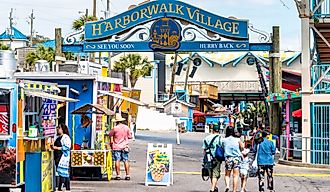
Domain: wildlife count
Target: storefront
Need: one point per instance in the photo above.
(28, 128)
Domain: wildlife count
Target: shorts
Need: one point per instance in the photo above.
(120, 155)
(232, 163)
(246, 133)
(216, 171)
(243, 173)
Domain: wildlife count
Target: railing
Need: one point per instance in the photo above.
(162, 97)
(321, 78)
(322, 8)
(314, 150)
(250, 86)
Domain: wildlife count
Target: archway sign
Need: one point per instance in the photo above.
(167, 25)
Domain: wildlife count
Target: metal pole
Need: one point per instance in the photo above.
(173, 74)
(187, 74)
(11, 26)
(31, 29)
(109, 53)
(58, 46)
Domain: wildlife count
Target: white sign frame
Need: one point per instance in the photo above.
(164, 148)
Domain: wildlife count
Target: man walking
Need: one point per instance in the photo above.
(265, 158)
(212, 142)
(121, 134)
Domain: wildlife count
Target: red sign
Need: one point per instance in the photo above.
(4, 121)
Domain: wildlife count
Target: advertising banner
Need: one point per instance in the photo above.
(159, 167)
(47, 172)
(49, 117)
(7, 166)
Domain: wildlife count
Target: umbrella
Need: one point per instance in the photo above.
(297, 113)
(198, 113)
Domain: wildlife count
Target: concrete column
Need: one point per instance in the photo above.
(306, 87)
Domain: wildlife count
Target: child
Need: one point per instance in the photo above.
(244, 168)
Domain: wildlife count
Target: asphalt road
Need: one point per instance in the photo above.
(187, 164)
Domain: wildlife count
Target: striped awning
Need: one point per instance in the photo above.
(112, 94)
(49, 96)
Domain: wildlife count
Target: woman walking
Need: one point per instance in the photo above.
(61, 149)
(233, 147)
(265, 150)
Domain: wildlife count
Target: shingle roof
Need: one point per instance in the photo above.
(16, 35)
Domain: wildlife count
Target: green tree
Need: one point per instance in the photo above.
(78, 23)
(135, 65)
(41, 53)
(4, 47)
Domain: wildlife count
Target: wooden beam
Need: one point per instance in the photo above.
(320, 35)
(275, 69)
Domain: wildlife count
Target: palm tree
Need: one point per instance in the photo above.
(78, 23)
(41, 53)
(136, 66)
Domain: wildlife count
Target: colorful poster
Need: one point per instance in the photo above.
(159, 168)
(47, 172)
(49, 117)
(87, 158)
(7, 165)
(4, 120)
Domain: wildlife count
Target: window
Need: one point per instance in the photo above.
(32, 111)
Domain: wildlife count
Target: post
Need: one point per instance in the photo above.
(188, 70)
(173, 74)
(58, 45)
(94, 8)
(31, 28)
(275, 85)
(11, 26)
(287, 130)
(109, 53)
(305, 81)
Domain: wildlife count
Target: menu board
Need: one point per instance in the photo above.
(49, 117)
(88, 158)
(159, 168)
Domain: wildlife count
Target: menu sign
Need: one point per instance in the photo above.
(49, 117)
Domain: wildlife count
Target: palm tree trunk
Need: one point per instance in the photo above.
(133, 81)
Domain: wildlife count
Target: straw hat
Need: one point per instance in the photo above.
(118, 118)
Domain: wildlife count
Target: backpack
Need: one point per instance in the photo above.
(209, 161)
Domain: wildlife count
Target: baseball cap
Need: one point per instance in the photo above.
(216, 127)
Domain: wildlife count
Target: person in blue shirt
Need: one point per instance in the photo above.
(232, 146)
(265, 150)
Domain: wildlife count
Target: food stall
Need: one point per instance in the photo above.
(101, 158)
(29, 126)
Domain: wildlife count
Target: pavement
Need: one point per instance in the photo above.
(187, 158)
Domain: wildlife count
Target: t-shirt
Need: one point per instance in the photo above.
(231, 147)
(216, 142)
(121, 134)
(245, 164)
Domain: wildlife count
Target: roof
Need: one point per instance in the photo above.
(179, 101)
(88, 109)
(49, 96)
(16, 34)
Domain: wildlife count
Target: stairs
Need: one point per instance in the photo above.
(323, 48)
(150, 119)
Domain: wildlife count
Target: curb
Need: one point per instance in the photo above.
(299, 164)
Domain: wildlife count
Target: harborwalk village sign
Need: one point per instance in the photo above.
(168, 25)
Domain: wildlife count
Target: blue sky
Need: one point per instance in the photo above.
(263, 14)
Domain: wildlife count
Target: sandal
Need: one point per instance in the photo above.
(127, 178)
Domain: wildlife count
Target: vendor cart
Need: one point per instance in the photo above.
(92, 158)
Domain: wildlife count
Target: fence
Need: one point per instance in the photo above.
(314, 149)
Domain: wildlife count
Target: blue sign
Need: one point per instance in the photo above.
(188, 46)
(165, 35)
(227, 27)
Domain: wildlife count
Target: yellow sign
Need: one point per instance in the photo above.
(47, 172)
